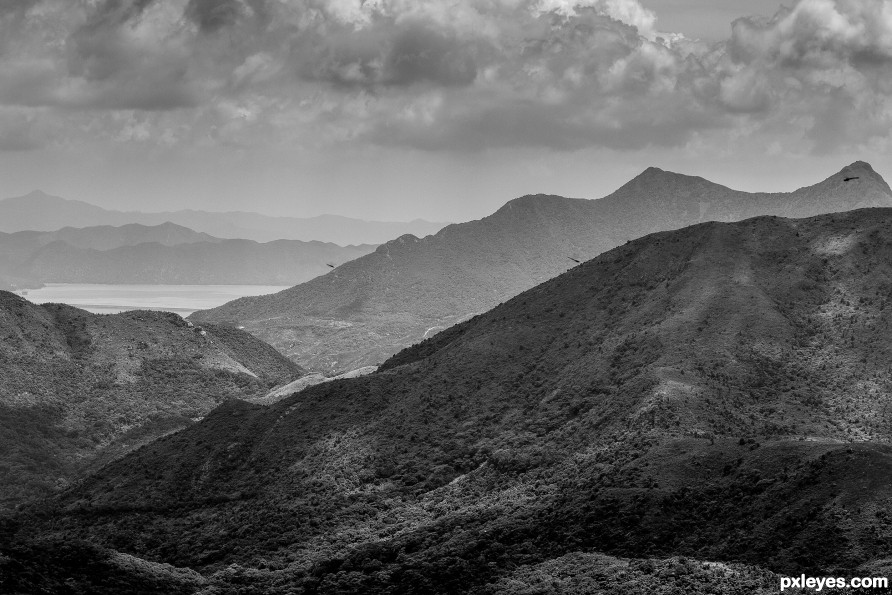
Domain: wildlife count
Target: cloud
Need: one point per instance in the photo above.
(396, 55)
(818, 34)
(630, 12)
(18, 131)
(827, 64)
(438, 75)
(212, 15)
(16, 6)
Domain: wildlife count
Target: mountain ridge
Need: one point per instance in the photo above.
(40, 211)
(164, 254)
(369, 308)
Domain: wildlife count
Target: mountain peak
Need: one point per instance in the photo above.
(863, 164)
(652, 171)
(657, 175)
(37, 195)
(859, 171)
(653, 182)
(858, 167)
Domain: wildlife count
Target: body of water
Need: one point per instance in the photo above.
(110, 299)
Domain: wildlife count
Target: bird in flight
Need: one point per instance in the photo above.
(850, 179)
(574, 260)
(328, 264)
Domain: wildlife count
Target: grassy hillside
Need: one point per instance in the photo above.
(410, 288)
(79, 389)
(717, 393)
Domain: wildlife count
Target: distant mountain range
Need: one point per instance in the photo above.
(369, 308)
(166, 253)
(80, 389)
(106, 237)
(716, 393)
(42, 212)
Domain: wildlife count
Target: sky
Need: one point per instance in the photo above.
(434, 109)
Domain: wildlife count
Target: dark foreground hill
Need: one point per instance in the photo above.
(79, 389)
(409, 288)
(718, 393)
(166, 254)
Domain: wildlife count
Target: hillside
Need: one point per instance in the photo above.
(409, 288)
(164, 254)
(79, 389)
(43, 212)
(718, 393)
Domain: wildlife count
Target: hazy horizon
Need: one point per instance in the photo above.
(393, 111)
(820, 177)
(146, 211)
(104, 298)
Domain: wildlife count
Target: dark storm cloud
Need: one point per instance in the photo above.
(12, 6)
(421, 53)
(211, 15)
(116, 69)
(389, 54)
(114, 13)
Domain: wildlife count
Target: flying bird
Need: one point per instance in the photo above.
(574, 260)
(328, 264)
(850, 179)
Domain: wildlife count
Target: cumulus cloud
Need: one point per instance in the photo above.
(827, 64)
(399, 54)
(212, 15)
(445, 75)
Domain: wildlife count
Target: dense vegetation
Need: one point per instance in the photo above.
(81, 389)
(716, 393)
(409, 288)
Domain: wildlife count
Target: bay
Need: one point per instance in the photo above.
(110, 299)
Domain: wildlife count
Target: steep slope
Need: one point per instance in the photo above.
(79, 389)
(40, 211)
(166, 253)
(719, 392)
(409, 288)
